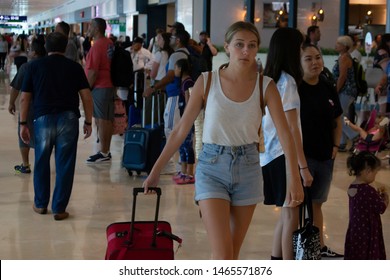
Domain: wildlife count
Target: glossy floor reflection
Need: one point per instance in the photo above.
(102, 194)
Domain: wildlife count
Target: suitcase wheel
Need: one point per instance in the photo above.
(131, 172)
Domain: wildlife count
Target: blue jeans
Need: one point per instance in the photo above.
(187, 153)
(347, 132)
(60, 131)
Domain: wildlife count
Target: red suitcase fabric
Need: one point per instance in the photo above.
(120, 248)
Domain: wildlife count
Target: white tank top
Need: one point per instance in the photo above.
(230, 123)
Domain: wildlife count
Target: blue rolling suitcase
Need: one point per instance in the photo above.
(142, 145)
(136, 100)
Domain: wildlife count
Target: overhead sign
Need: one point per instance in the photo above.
(7, 18)
(10, 26)
(113, 21)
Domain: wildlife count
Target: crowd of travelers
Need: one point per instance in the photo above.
(305, 122)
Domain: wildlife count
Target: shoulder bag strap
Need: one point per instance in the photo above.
(261, 95)
(260, 145)
(206, 93)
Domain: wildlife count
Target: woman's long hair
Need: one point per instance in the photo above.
(166, 47)
(284, 55)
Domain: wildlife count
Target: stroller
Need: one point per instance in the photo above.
(368, 144)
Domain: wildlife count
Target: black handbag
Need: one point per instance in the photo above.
(306, 240)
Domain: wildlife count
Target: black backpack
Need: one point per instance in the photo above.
(327, 76)
(360, 80)
(121, 68)
(198, 64)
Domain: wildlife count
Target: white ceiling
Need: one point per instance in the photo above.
(28, 7)
(368, 2)
(35, 7)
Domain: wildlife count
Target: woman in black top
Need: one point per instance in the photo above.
(321, 129)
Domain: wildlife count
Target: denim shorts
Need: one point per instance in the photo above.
(103, 103)
(230, 173)
(322, 172)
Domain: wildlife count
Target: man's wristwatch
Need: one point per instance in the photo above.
(23, 123)
(87, 123)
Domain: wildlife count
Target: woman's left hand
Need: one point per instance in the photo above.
(294, 192)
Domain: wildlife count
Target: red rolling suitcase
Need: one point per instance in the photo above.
(141, 240)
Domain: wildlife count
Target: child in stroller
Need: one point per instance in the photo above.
(374, 136)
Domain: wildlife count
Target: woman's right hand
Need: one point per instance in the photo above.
(151, 181)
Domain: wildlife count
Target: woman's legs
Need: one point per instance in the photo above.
(282, 247)
(240, 218)
(226, 226)
(318, 220)
(277, 251)
(289, 219)
(216, 218)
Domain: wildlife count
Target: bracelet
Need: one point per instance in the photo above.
(336, 146)
(301, 168)
(23, 123)
(87, 123)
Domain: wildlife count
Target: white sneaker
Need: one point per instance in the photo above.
(99, 157)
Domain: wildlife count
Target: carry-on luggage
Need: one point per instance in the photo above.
(135, 100)
(141, 240)
(142, 145)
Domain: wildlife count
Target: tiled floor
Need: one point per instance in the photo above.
(102, 195)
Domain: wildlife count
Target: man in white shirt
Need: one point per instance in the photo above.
(139, 54)
(141, 57)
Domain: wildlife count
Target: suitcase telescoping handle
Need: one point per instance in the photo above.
(155, 95)
(135, 193)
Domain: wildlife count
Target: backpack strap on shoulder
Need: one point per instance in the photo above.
(206, 92)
